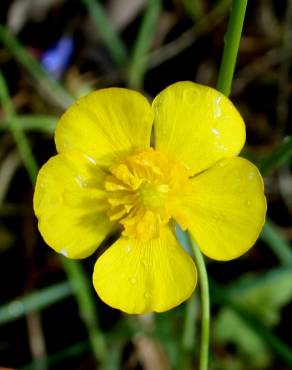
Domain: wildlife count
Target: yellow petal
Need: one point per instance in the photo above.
(197, 125)
(70, 205)
(139, 277)
(106, 125)
(226, 211)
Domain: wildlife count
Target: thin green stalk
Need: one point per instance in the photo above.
(232, 41)
(34, 301)
(277, 243)
(206, 24)
(33, 122)
(137, 67)
(279, 156)
(188, 338)
(188, 343)
(205, 304)
(188, 243)
(86, 306)
(24, 148)
(19, 137)
(47, 83)
(110, 38)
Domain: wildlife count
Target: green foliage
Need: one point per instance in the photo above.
(230, 328)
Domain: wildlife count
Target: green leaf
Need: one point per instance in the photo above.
(264, 295)
(230, 328)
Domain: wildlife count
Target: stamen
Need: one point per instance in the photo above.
(141, 192)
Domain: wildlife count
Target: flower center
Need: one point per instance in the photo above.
(143, 192)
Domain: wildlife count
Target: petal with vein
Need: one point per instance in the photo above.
(197, 125)
(106, 125)
(227, 208)
(70, 204)
(143, 276)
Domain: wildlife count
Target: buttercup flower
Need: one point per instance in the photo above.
(108, 176)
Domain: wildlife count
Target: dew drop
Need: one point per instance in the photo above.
(146, 295)
(128, 248)
(133, 280)
(93, 161)
(81, 182)
(215, 131)
(64, 252)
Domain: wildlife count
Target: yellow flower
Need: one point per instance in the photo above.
(107, 177)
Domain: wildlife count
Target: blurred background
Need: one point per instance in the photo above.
(52, 51)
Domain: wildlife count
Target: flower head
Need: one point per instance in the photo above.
(107, 176)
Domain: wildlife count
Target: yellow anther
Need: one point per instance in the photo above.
(142, 190)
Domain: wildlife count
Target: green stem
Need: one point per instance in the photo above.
(15, 129)
(188, 338)
(205, 304)
(103, 25)
(86, 306)
(137, 67)
(273, 238)
(232, 41)
(33, 122)
(279, 156)
(34, 301)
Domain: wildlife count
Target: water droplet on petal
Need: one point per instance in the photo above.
(215, 131)
(146, 295)
(64, 252)
(128, 248)
(251, 175)
(133, 280)
(93, 161)
(80, 181)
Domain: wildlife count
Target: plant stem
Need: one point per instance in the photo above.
(273, 238)
(205, 304)
(34, 301)
(86, 306)
(225, 78)
(281, 155)
(104, 28)
(232, 41)
(16, 131)
(137, 67)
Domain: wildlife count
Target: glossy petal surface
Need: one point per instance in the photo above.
(106, 125)
(226, 210)
(139, 277)
(69, 205)
(197, 125)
